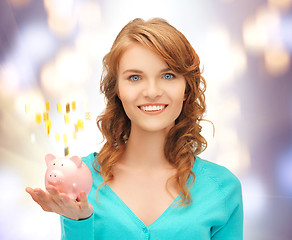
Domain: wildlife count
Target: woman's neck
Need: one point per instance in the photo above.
(145, 150)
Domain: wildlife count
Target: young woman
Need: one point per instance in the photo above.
(149, 182)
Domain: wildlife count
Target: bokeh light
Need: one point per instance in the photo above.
(286, 31)
(284, 5)
(61, 16)
(68, 71)
(262, 29)
(19, 3)
(31, 35)
(284, 170)
(89, 15)
(277, 61)
(225, 58)
(254, 198)
(9, 79)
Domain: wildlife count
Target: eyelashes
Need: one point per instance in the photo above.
(166, 76)
(134, 78)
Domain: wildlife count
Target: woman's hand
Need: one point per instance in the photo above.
(60, 203)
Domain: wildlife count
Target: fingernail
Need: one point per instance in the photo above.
(37, 192)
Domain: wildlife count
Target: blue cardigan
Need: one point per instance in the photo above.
(216, 211)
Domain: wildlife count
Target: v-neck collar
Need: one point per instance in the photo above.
(133, 216)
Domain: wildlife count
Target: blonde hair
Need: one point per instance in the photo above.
(184, 139)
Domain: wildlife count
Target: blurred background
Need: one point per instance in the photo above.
(50, 65)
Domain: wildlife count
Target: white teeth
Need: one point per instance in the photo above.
(152, 108)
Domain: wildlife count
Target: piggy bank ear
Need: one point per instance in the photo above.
(49, 158)
(77, 160)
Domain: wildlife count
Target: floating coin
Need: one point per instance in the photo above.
(66, 117)
(48, 126)
(38, 118)
(67, 107)
(46, 116)
(73, 106)
(48, 131)
(74, 135)
(27, 108)
(76, 127)
(57, 137)
(80, 124)
(47, 106)
(66, 151)
(59, 108)
(65, 139)
(88, 116)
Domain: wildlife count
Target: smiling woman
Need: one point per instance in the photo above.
(148, 51)
(148, 177)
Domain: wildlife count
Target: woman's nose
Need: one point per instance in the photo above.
(152, 89)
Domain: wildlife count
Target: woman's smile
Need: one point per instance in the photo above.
(152, 109)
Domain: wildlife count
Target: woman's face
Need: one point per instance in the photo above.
(152, 95)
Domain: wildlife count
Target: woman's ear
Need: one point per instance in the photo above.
(186, 90)
(185, 96)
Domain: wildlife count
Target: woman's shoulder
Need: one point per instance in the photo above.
(213, 173)
(89, 160)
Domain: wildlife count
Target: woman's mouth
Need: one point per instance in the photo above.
(152, 109)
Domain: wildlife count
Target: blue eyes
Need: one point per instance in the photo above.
(166, 76)
(135, 78)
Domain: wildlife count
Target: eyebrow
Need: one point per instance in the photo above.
(139, 71)
(132, 71)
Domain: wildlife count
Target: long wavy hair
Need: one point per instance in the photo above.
(184, 140)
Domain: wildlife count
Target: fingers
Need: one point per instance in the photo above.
(29, 190)
(83, 200)
(55, 196)
(38, 195)
(68, 202)
(43, 196)
(86, 209)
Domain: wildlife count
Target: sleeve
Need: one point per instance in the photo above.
(77, 229)
(232, 229)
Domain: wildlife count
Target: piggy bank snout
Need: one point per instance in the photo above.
(54, 176)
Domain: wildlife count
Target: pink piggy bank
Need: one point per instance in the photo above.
(68, 175)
